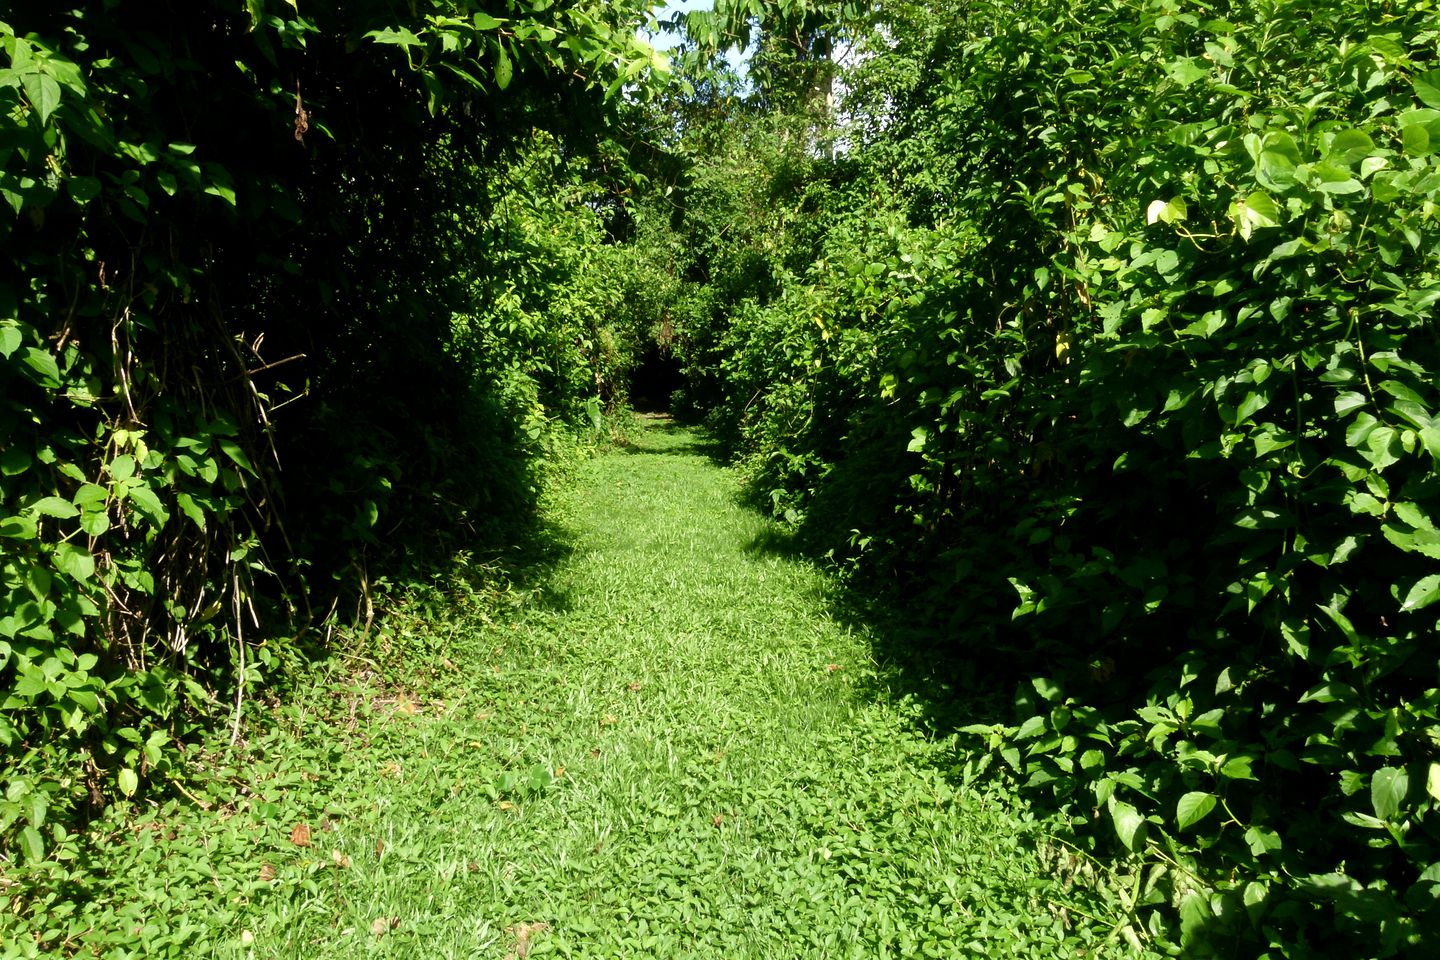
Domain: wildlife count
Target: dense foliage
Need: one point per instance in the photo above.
(291, 288)
(1108, 330)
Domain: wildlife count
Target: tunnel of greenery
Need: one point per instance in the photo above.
(1097, 335)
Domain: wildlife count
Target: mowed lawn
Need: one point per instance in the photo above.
(669, 749)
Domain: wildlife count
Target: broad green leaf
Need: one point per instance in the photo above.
(1254, 212)
(1416, 141)
(1129, 825)
(1427, 88)
(236, 453)
(1432, 781)
(1192, 808)
(43, 368)
(1032, 727)
(31, 843)
(1048, 689)
(1186, 71)
(43, 93)
(83, 189)
(483, 21)
(401, 37)
(14, 462)
(148, 503)
(74, 560)
(1383, 447)
(1348, 146)
(1350, 400)
(191, 509)
(1425, 592)
(57, 507)
(1388, 787)
(1195, 915)
(1262, 840)
(18, 527)
(122, 467)
(504, 69)
(128, 781)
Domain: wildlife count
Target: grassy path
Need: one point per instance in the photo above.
(666, 754)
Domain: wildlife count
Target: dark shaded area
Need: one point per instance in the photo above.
(654, 380)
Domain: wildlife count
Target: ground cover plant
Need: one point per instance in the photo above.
(664, 745)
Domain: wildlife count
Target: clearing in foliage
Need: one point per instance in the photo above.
(668, 750)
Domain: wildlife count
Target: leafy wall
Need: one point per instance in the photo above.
(284, 307)
(1115, 344)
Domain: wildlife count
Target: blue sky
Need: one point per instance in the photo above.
(665, 41)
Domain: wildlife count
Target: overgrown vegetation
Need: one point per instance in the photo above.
(1107, 338)
(1099, 333)
(300, 291)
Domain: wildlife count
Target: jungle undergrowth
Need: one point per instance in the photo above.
(662, 747)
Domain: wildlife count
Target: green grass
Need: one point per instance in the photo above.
(670, 750)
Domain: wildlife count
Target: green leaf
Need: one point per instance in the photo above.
(32, 845)
(504, 69)
(10, 340)
(1348, 146)
(1425, 592)
(1388, 787)
(128, 782)
(1427, 88)
(1192, 808)
(234, 451)
(74, 560)
(1129, 825)
(57, 507)
(1254, 212)
(191, 509)
(1048, 689)
(44, 370)
(1432, 781)
(145, 499)
(43, 93)
(401, 37)
(18, 528)
(1186, 71)
(83, 189)
(14, 461)
(483, 21)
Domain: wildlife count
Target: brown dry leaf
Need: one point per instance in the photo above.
(340, 859)
(524, 934)
(300, 835)
(719, 820)
(379, 848)
(560, 772)
(267, 872)
(831, 667)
